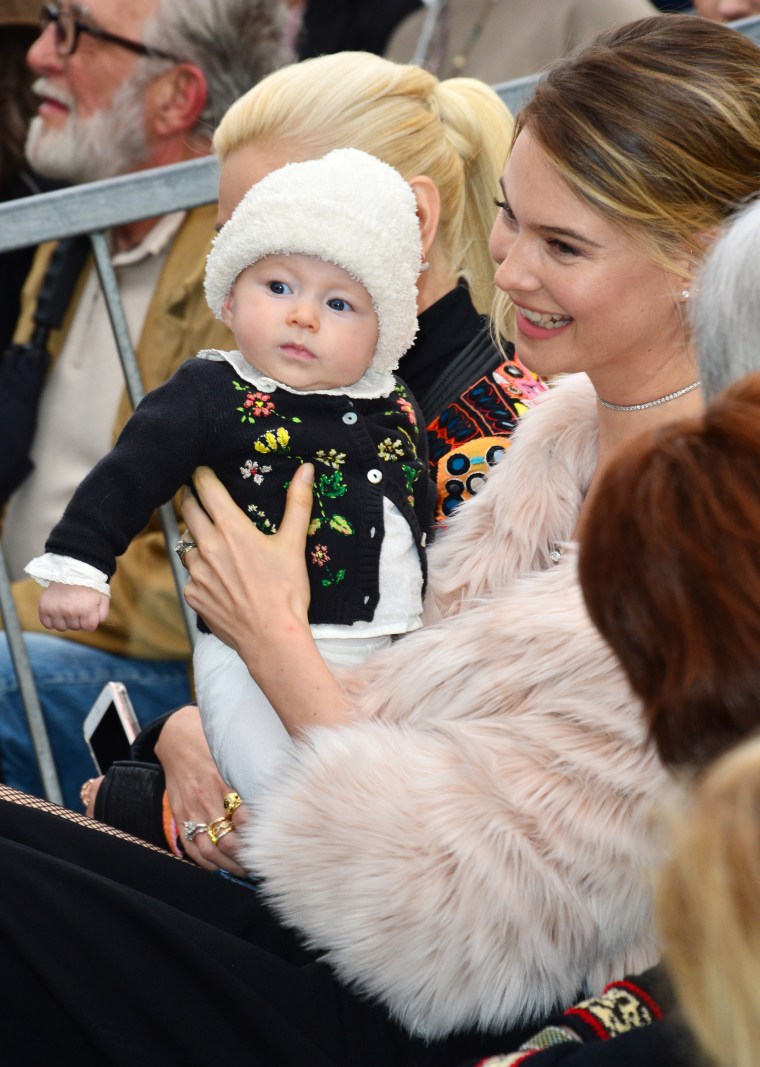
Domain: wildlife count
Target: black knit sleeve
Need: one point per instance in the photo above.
(156, 453)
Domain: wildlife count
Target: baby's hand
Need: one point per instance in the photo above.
(72, 607)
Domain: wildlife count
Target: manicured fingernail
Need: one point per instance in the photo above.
(307, 473)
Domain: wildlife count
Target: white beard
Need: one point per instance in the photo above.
(109, 142)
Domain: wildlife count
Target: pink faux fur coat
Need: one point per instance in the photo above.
(476, 847)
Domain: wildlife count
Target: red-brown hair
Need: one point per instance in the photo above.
(670, 570)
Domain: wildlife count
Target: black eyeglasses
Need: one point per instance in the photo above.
(68, 24)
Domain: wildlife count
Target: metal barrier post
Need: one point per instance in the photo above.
(27, 689)
(136, 392)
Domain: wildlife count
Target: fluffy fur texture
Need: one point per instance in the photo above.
(348, 208)
(477, 848)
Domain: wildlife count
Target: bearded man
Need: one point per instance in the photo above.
(124, 85)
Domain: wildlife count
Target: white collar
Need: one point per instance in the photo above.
(372, 385)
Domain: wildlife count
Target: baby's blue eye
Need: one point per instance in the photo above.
(338, 304)
(279, 288)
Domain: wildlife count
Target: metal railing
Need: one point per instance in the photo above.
(93, 209)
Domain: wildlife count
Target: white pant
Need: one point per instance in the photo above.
(244, 732)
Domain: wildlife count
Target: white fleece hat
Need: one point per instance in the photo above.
(347, 208)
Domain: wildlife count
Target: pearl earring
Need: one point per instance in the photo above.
(424, 266)
(685, 294)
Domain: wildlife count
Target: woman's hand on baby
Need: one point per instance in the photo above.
(252, 589)
(72, 607)
(244, 583)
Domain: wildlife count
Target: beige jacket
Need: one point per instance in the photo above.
(145, 619)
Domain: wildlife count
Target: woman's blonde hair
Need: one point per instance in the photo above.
(656, 125)
(709, 909)
(456, 132)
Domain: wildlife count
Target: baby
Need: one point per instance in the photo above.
(315, 273)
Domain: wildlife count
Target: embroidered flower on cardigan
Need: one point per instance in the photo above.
(260, 519)
(410, 476)
(255, 405)
(320, 555)
(331, 485)
(258, 405)
(277, 441)
(408, 410)
(254, 469)
(390, 451)
(333, 458)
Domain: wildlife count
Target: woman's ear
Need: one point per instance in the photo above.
(693, 257)
(428, 209)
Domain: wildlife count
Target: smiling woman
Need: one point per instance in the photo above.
(604, 222)
(587, 295)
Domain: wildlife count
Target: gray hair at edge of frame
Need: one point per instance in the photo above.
(236, 43)
(725, 309)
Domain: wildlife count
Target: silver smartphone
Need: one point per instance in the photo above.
(111, 726)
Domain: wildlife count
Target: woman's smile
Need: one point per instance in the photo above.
(540, 325)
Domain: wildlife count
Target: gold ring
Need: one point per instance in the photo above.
(217, 837)
(85, 791)
(232, 802)
(219, 828)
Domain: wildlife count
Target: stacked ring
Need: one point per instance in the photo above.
(219, 828)
(85, 793)
(182, 548)
(192, 829)
(232, 802)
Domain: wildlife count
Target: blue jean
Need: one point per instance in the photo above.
(69, 678)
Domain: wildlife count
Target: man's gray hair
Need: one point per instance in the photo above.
(234, 42)
(725, 313)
